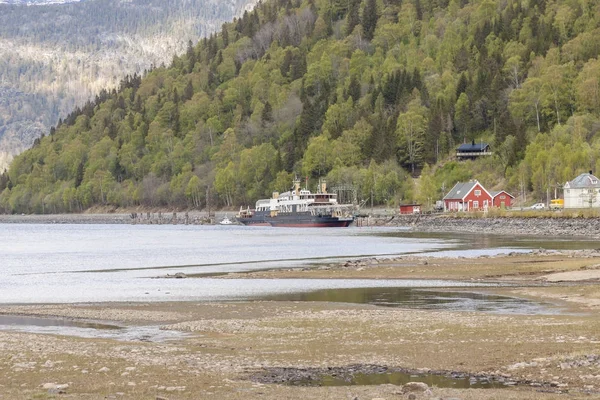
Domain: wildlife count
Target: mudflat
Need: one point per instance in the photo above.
(262, 349)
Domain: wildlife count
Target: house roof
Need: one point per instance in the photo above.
(472, 147)
(584, 181)
(495, 193)
(460, 190)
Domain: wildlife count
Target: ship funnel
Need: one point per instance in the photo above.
(297, 186)
(323, 186)
(275, 195)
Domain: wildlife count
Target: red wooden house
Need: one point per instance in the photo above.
(410, 209)
(502, 199)
(467, 196)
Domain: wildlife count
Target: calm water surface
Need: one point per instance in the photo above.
(89, 263)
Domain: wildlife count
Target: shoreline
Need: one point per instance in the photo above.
(260, 349)
(264, 349)
(434, 223)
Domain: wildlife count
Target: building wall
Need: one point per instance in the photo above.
(476, 200)
(410, 209)
(453, 205)
(498, 200)
(582, 198)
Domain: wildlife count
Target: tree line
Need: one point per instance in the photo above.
(365, 93)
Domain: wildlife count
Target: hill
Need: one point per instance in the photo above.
(55, 56)
(362, 92)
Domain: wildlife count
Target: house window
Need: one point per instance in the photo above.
(502, 197)
(567, 191)
(478, 193)
(475, 204)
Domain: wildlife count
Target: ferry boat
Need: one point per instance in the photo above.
(299, 208)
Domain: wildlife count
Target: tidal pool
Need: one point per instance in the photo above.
(361, 374)
(403, 297)
(86, 329)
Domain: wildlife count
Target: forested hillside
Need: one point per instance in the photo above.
(362, 92)
(54, 57)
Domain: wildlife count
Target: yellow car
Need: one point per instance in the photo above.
(557, 204)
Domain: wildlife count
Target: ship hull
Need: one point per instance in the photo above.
(250, 222)
(255, 219)
(332, 224)
(295, 220)
(306, 220)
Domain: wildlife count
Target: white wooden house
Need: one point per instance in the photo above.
(583, 192)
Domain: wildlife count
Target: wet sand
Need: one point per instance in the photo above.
(231, 343)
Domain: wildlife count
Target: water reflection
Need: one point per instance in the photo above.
(467, 241)
(86, 329)
(425, 299)
(401, 378)
(19, 320)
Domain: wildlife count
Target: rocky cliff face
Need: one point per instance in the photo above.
(37, 2)
(66, 53)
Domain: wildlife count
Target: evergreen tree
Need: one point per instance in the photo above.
(225, 35)
(369, 19)
(79, 175)
(461, 86)
(354, 89)
(188, 91)
(298, 68)
(191, 56)
(353, 17)
(287, 62)
(267, 113)
(4, 179)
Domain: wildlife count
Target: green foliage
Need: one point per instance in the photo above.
(357, 92)
(52, 67)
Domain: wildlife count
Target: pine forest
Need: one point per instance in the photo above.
(368, 93)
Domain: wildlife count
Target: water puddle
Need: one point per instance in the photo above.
(426, 299)
(86, 329)
(402, 378)
(378, 375)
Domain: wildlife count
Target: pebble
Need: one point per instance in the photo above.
(415, 387)
(49, 386)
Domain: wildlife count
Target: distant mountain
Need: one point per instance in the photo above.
(37, 2)
(358, 92)
(56, 57)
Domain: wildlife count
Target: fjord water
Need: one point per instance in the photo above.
(93, 263)
(89, 263)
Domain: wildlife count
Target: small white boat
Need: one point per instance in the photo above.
(225, 221)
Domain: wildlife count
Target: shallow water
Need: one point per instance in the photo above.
(85, 329)
(423, 299)
(402, 378)
(96, 263)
